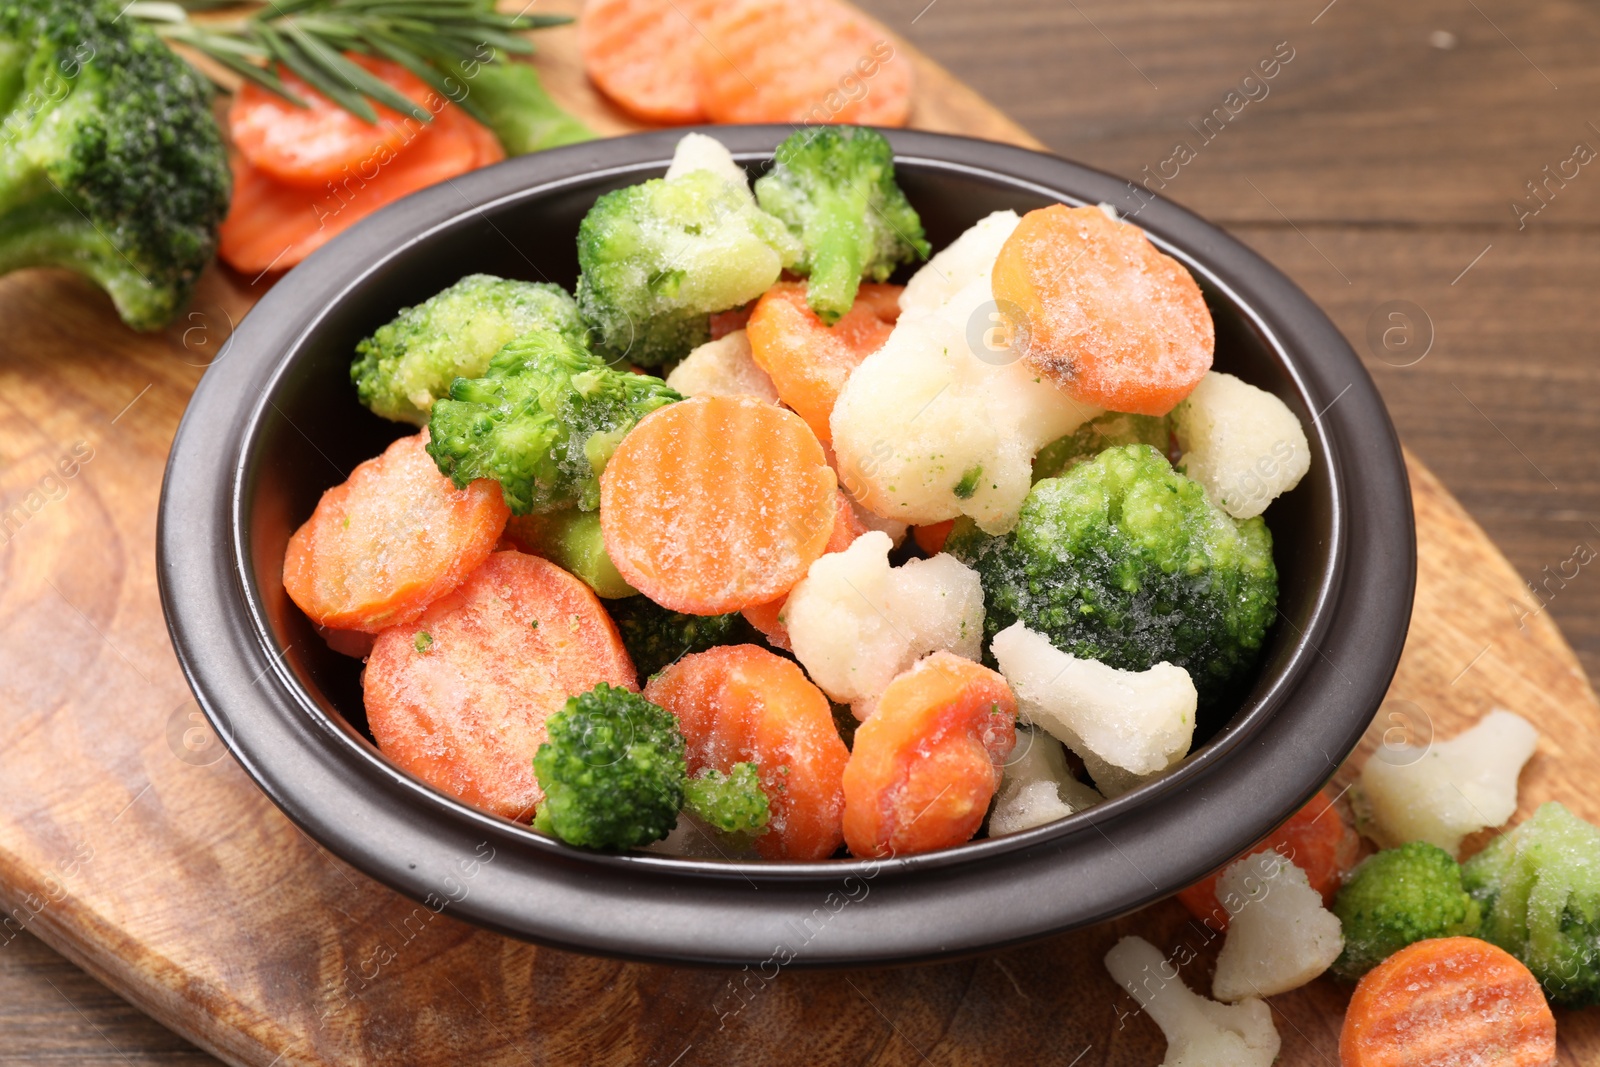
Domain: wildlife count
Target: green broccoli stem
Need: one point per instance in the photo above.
(836, 266)
(40, 227)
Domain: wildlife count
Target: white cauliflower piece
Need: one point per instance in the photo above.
(1128, 726)
(1199, 1032)
(723, 367)
(969, 256)
(925, 429)
(1279, 935)
(696, 151)
(855, 623)
(1242, 443)
(1037, 786)
(1442, 793)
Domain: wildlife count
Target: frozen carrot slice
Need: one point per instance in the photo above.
(927, 761)
(717, 503)
(459, 697)
(740, 703)
(641, 55)
(395, 537)
(931, 538)
(800, 61)
(1448, 1002)
(768, 617)
(1111, 319)
(809, 360)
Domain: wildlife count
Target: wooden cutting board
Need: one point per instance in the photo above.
(131, 843)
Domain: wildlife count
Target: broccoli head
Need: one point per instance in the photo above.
(658, 258)
(111, 163)
(834, 187)
(1098, 434)
(1539, 888)
(656, 636)
(1126, 561)
(732, 802)
(612, 772)
(1396, 897)
(410, 362)
(542, 421)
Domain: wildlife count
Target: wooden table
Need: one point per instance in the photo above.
(1381, 166)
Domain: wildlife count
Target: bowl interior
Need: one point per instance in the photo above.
(312, 431)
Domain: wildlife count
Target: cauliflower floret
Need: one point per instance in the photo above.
(855, 622)
(1199, 1032)
(1279, 935)
(925, 429)
(1128, 726)
(969, 256)
(1037, 786)
(723, 367)
(1242, 443)
(696, 151)
(1450, 789)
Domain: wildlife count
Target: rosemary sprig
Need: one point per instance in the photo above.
(309, 38)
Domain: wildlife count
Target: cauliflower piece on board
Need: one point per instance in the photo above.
(723, 367)
(1279, 934)
(1037, 786)
(1128, 726)
(855, 622)
(1242, 443)
(1442, 793)
(927, 428)
(696, 151)
(969, 256)
(1199, 1032)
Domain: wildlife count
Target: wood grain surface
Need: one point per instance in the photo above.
(145, 860)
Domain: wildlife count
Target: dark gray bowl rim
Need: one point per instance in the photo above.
(982, 895)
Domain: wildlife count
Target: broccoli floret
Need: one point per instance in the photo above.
(1126, 561)
(612, 771)
(659, 257)
(834, 186)
(111, 163)
(1539, 888)
(410, 362)
(1095, 436)
(1396, 897)
(655, 636)
(542, 421)
(733, 802)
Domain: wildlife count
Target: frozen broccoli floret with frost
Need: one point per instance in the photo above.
(656, 636)
(732, 803)
(659, 257)
(1199, 1032)
(969, 257)
(1444, 791)
(1539, 889)
(409, 362)
(1098, 434)
(1242, 443)
(834, 186)
(1399, 896)
(1280, 936)
(1125, 561)
(612, 772)
(1036, 786)
(724, 367)
(543, 421)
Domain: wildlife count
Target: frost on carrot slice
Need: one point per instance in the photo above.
(641, 55)
(740, 703)
(717, 503)
(459, 696)
(768, 618)
(800, 61)
(927, 761)
(1112, 320)
(1448, 1002)
(389, 541)
(808, 360)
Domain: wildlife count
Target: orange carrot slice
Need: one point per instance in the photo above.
(1111, 319)
(389, 541)
(717, 503)
(800, 61)
(738, 703)
(931, 538)
(1448, 1002)
(641, 54)
(272, 224)
(926, 763)
(459, 697)
(809, 360)
(725, 322)
(1315, 838)
(768, 618)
